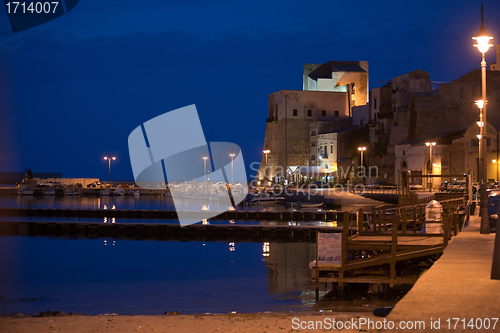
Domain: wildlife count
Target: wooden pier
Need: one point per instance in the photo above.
(279, 215)
(166, 232)
(389, 250)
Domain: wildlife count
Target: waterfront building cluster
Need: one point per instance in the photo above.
(314, 133)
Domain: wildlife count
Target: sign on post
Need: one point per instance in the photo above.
(330, 248)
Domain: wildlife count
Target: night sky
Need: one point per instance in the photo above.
(73, 89)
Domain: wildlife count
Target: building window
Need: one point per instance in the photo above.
(488, 142)
(375, 104)
(331, 149)
(313, 157)
(313, 133)
(474, 142)
(295, 112)
(336, 113)
(313, 144)
(323, 113)
(309, 113)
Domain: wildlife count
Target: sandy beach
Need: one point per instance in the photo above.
(230, 323)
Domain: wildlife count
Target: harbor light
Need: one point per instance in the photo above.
(482, 43)
(109, 158)
(232, 155)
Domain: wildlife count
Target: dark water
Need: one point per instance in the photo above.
(93, 276)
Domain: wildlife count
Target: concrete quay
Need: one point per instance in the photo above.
(458, 285)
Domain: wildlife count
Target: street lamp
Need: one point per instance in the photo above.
(430, 145)
(482, 39)
(205, 158)
(109, 158)
(480, 123)
(232, 159)
(495, 162)
(361, 150)
(267, 151)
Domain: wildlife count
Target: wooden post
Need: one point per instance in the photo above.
(383, 218)
(316, 273)
(343, 258)
(414, 219)
(360, 221)
(404, 220)
(394, 244)
(445, 231)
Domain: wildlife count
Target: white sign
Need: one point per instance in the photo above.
(330, 248)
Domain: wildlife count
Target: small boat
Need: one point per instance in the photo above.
(105, 192)
(71, 190)
(49, 191)
(310, 205)
(25, 192)
(266, 199)
(119, 191)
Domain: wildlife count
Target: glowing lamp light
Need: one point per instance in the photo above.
(482, 40)
(480, 103)
(434, 164)
(480, 123)
(267, 151)
(494, 160)
(361, 148)
(479, 136)
(428, 144)
(205, 158)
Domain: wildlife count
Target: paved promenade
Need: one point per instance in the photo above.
(458, 285)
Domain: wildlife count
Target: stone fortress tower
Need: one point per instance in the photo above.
(297, 117)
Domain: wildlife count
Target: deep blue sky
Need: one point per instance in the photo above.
(73, 89)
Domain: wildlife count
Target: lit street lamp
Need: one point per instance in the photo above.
(430, 145)
(361, 150)
(109, 158)
(232, 160)
(480, 123)
(482, 39)
(267, 151)
(495, 162)
(205, 158)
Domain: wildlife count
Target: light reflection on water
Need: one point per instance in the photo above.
(136, 277)
(93, 276)
(148, 202)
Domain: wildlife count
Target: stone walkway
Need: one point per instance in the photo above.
(458, 285)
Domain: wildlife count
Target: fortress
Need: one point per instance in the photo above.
(313, 134)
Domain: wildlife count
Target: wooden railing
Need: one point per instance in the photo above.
(391, 238)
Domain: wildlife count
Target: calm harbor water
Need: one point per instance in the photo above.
(93, 276)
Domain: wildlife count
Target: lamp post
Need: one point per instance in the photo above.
(495, 162)
(205, 158)
(480, 123)
(361, 150)
(232, 160)
(482, 39)
(109, 158)
(267, 151)
(430, 145)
